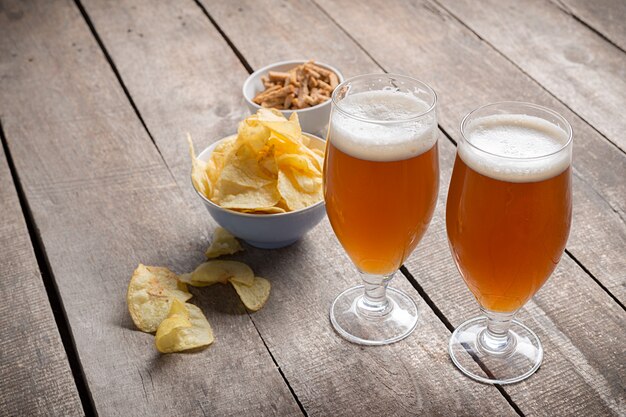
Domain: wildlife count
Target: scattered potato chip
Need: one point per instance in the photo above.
(185, 328)
(150, 294)
(266, 169)
(212, 272)
(253, 296)
(223, 243)
(187, 279)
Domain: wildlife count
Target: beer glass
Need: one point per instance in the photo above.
(508, 217)
(381, 178)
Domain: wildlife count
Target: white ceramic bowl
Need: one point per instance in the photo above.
(312, 119)
(267, 231)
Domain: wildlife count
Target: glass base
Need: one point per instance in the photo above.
(520, 358)
(358, 324)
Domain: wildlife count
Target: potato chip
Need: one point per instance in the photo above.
(251, 132)
(254, 296)
(267, 161)
(265, 210)
(304, 163)
(249, 172)
(212, 272)
(150, 294)
(295, 198)
(244, 169)
(220, 155)
(186, 278)
(283, 145)
(275, 121)
(185, 328)
(223, 243)
(199, 171)
(235, 196)
(307, 184)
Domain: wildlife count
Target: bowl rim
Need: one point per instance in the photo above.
(260, 215)
(257, 74)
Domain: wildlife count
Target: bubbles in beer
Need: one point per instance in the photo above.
(515, 148)
(371, 136)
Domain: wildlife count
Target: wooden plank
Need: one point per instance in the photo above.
(572, 310)
(318, 364)
(36, 376)
(605, 16)
(467, 73)
(580, 68)
(103, 201)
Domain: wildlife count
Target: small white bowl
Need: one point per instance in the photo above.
(312, 119)
(267, 231)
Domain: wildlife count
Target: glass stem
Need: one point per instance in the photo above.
(374, 302)
(496, 339)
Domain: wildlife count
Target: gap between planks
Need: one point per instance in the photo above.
(302, 409)
(230, 43)
(109, 59)
(58, 312)
(584, 268)
(570, 12)
(349, 35)
(458, 19)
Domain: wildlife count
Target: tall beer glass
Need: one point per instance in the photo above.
(381, 179)
(508, 217)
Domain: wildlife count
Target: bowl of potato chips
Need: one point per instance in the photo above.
(298, 86)
(264, 184)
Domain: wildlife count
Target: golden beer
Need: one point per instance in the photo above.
(508, 221)
(381, 178)
(508, 217)
(380, 210)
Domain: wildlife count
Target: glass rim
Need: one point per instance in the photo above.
(568, 130)
(431, 106)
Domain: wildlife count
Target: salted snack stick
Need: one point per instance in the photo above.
(293, 89)
(278, 76)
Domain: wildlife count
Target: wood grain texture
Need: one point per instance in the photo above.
(103, 201)
(36, 379)
(578, 323)
(467, 73)
(580, 68)
(605, 16)
(329, 376)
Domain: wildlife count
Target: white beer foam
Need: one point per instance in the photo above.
(508, 139)
(383, 141)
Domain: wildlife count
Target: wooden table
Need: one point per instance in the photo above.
(95, 99)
